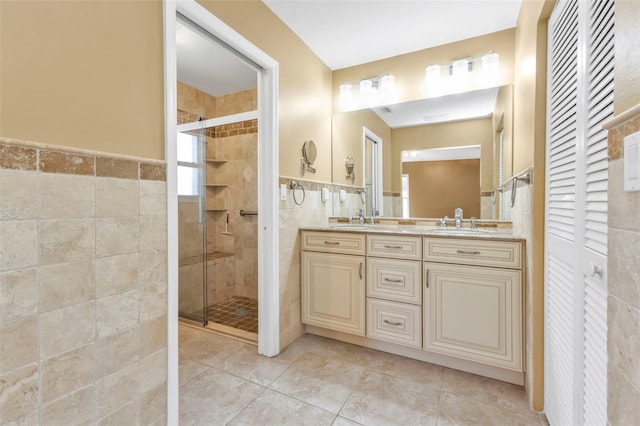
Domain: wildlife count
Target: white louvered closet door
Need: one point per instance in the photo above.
(580, 99)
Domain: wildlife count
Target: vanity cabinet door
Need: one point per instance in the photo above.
(333, 291)
(474, 313)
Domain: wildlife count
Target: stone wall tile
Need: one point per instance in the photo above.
(116, 197)
(66, 196)
(117, 350)
(66, 240)
(118, 235)
(117, 313)
(18, 343)
(18, 294)
(18, 194)
(116, 274)
(66, 284)
(66, 328)
(153, 232)
(153, 197)
(76, 408)
(129, 414)
(18, 244)
(67, 372)
(153, 370)
(18, 393)
(117, 390)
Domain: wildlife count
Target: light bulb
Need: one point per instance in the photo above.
(460, 67)
(432, 74)
(490, 64)
(387, 83)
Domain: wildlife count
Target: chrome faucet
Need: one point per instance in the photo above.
(458, 213)
(443, 222)
(372, 218)
(360, 213)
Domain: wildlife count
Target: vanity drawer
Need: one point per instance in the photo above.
(394, 322)
(333, 242)
(392, 279)
(397, 247)
(501, 254)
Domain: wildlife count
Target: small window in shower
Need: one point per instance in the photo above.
(188, 165)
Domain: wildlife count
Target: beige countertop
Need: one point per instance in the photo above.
(484, 233)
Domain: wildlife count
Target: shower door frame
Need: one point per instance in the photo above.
(268, 167)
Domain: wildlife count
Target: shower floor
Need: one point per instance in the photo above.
(237, 312)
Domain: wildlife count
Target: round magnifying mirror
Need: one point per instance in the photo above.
(309, 152)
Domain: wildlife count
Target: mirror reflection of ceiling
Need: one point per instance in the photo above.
(200, 59)
(456, 107)
(347, 33)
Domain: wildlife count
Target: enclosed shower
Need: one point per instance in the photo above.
(217, 207)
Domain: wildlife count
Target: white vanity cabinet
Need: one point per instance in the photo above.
(394, 289)
(473, 300)
(333, 285)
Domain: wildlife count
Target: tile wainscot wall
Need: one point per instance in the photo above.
(83, 287)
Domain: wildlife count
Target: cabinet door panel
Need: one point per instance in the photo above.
(474, 313)
(333, 292)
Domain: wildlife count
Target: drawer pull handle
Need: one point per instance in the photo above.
(334, 243)
(360, 271)
(389, 246)
(426, 278)
(389, 280)
(468, 252)
(392, 323)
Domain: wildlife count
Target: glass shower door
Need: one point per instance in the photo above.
(192, 229)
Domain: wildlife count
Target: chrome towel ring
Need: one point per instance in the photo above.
(296, 185)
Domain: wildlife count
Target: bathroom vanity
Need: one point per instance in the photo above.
(450, 297)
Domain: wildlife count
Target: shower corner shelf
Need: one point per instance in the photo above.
(217, 185)
(216, 210)
(216, 161)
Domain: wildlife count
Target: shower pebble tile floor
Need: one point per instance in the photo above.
(318, 381)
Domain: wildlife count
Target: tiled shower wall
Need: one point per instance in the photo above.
(83, 287)
(623, 280)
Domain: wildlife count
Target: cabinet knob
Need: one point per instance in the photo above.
(595, 270)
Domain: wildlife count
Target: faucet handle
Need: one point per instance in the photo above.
(474, 222)
(443, 222)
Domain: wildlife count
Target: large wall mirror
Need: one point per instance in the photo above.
(436, 154)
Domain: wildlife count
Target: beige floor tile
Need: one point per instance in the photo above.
(462, 410)
(406, 368)
(205, 347)
(188, 369)
(273, 408)
(215, 398)
(485, 390)
(381, 399)
(320, 381)
(341, 421)
(246, 363)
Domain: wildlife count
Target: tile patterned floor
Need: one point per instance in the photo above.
(237, 312)
(318, 381)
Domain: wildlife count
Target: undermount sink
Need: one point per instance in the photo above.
(352, 225)
(462, 231)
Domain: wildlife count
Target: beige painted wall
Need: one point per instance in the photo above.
(409, 69)
(529, 111)
(83, 74)
(305, 83)
(460, 133)
(348, 140)
(426, 185)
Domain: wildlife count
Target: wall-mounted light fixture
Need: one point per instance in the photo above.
(370, 90)
(489, 64)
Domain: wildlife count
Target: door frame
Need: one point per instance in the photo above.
(268, 156)
(376, 174)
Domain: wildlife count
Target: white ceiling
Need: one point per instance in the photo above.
(461, 106)
(351, 32)
(345, 33)
(208, 66)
